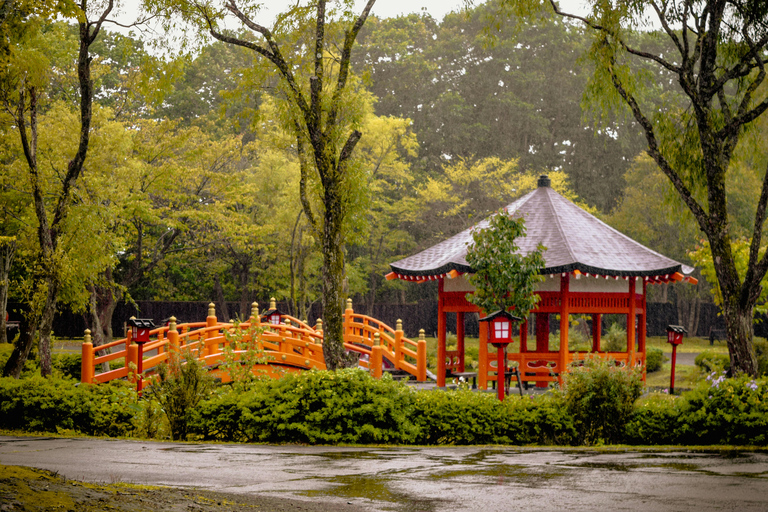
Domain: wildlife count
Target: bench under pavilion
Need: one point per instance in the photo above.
(590, 269)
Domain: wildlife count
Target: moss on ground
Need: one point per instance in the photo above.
(33, 490)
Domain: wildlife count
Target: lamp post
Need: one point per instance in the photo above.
(500, 335)
(674, 337)
(140, 328)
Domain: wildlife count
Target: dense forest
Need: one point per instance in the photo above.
(190, 190)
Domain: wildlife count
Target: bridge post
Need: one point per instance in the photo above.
(255, 320)
(421, 357)
(173, 339)
(132, 362)
(376, 357)
(348, 314)
(398, 343)
(210, 321)
(87, 369)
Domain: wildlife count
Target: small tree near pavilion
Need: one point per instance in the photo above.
(504, 279)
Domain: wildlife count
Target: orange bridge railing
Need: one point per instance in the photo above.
(291, 345)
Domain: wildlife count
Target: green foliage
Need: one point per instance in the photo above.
(348, 406)
(761, 353)
(503, 278)
(654, 359)
(653, 421)
(711, 361)
(70, 365)
(725, 411)
(179, 387)
(241, 353)
(464, 417)
(615, 339)
(600, 396)
(38, 404)
(344, 406)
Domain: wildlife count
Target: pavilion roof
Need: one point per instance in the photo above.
(575, 241)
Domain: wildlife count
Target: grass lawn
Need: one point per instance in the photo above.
(690, 345)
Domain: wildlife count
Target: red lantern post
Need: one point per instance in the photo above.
(675, 338)
(140, 328)
(500, 335)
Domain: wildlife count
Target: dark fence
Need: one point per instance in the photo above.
(422, 315)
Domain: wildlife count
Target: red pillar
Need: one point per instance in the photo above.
(631, 318)
(524, 336)
(597, 323)
(460, 339)
(440, 337)
(642, 326)
(542, 332)
(564, 313)
(542, 339)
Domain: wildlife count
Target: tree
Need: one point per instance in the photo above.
(503, 278)
(693, 131)
(318, 112)
(518, 98)
(24, 82)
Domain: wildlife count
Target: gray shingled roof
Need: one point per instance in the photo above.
(575, 240)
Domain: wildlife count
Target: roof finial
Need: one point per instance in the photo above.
(544, 181)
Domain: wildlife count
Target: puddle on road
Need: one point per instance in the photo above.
(378, 489)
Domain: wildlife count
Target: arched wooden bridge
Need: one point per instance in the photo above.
(291, 345)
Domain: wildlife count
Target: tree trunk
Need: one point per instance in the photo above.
(739, 329)
(6, 259)
(21, 350)
(222, 309)
(46, 328)
(333, 278)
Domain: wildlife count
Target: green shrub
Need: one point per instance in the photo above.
(615, 339)
(37, 404)
(179, 387)
(725, 411)
(69, 365)
(653, 421)
(761, 352)
(344, 406)
(463, 417)
(710, 361)
(600, 397)
(654, 359)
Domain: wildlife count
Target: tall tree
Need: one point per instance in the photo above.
(318, 112)
(718, 66)
(24, 89)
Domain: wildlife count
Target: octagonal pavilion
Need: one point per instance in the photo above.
(590, 269)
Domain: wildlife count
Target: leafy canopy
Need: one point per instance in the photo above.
(504, 278)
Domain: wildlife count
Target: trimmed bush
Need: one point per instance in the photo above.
(315, 407)
(654, 359)
(600, 396)
(710, 361)
(463, 417)
(761, 352)
(653, 421)
(36, 404)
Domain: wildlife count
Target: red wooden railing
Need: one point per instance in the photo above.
(289, 346)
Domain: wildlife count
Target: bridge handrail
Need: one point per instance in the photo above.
(293, 343)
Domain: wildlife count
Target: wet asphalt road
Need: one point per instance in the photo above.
(420, 479)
